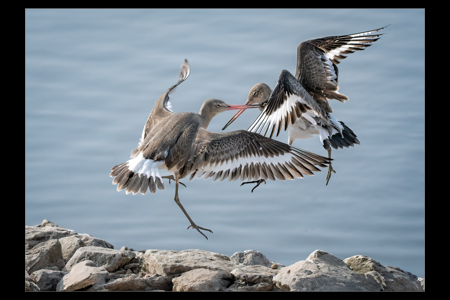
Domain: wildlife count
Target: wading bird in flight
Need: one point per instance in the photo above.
(180, 143)
(300, 103)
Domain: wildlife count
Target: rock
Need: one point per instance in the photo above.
(322, 271)
(46, 279)
(69, 245)
(60, 259)
(422, 283)
(390, 278)
(252, 257)
(93, 241)
(125, 248)
(83, 275)
(47, 223)
(133, 282)
(201, 279)
(44, 232)
(253, 278)
(44, 255)
(110, 259)
(170, 262)
(30, 286)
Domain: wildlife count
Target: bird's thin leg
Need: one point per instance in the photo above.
(258, 182)
(193, 225)
(170, 177)
(330, 168)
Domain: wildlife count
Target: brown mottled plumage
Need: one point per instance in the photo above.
(317, 61)
(180, 143)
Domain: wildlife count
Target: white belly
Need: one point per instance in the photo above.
(302, 129)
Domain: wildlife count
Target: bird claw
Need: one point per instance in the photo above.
(198, 228)
(330, 169)
(258, 182)
(170, 177)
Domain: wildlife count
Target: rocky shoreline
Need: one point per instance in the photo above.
(59, 259)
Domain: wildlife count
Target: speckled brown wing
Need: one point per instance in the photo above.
(245, 155)
(317, 61)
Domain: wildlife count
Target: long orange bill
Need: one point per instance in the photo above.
(241, 108)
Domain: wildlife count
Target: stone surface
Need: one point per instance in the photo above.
(134, 282)
(46, 279)
(253, 257)
(83, 275)
(69, 245)
(61, 259)
(422, 283)
(30, 286)
(110, 259)
(390, 278)
(169, 262)
(322, 271)
(93, 241)
(44, 232)
(44, 255)
(202, 280)
(253, 278)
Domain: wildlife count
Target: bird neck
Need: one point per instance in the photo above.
(205, 116)
(264, 103)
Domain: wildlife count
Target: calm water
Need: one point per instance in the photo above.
(92, 77)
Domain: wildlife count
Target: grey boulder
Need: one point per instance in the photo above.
(47, 279)
(83, 275)
(323, 271)
(389, 278)
(46, 254)
(202, 280)
(110, 259)
(169, 262)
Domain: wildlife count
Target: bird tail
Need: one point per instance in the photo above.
(335, 95)
(137, 175)
(339, 140)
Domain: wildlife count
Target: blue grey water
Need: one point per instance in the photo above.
(93, 75)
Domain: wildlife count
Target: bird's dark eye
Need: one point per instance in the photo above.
(254, 93)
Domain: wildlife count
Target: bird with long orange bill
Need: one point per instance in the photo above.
(180, 144)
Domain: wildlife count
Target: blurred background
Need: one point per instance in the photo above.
(92, 77)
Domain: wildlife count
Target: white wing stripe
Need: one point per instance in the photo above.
(229, 167)
(280, 114)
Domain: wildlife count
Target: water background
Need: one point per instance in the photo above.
(93, 75)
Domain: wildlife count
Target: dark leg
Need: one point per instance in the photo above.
(256, 181)
(330, 168)
(193, 225)
(170, 177)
